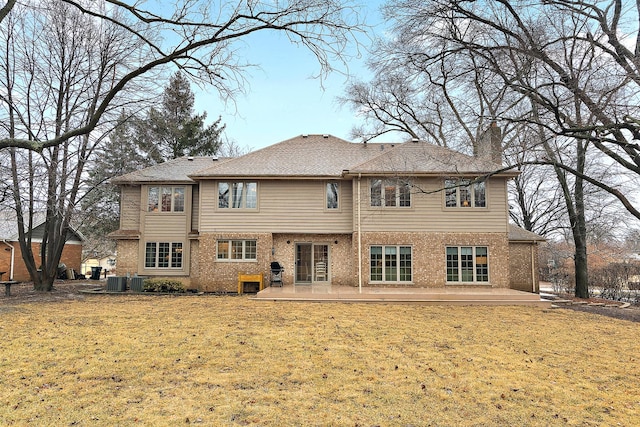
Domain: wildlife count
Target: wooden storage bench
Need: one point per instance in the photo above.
(249, 278)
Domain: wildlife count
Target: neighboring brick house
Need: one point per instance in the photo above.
(11, 262)
(330, 211)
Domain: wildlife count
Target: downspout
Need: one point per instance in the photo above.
(13, 250)
(359, 239)
(533, 268)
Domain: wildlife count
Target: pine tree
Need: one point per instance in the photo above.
(100, 206)
(174, 130)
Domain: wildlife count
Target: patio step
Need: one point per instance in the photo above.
(447, 296)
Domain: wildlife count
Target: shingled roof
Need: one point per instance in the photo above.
(9, 228)
(302, 156)
(319, 156)
(519, 234)
(176, 170)
(423, 158)
(328, 156)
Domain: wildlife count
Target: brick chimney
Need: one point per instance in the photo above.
(489, 145)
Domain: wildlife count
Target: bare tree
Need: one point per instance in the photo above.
(558, 67)
(199, 37)
(69, 68)
(56, 63)
(567, 57)
(231, 148)
(535, 201)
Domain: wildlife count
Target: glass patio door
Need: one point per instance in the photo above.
(312, 263)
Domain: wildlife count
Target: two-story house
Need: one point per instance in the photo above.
(330, 211)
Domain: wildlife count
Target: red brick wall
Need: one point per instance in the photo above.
(71, 256)
(5, 260)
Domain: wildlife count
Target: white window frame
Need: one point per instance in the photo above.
(383, 264)
(327, 202)
(455, 186)
(385, 200)
(247, 199)
(478, 253)
(174, 249)
(174, 190)
(248, 247)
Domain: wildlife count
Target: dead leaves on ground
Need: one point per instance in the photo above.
(229, 360)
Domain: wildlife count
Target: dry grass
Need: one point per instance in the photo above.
(232, 361)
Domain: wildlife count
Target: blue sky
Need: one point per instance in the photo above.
(283, 100)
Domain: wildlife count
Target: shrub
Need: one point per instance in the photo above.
(616, 280)
(163, 285)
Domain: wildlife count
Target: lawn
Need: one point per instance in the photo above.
(149, 360)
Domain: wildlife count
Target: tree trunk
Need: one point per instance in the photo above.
(579, 226)
(580, 262)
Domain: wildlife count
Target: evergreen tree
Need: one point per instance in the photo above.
(174, 130)
(100, 205)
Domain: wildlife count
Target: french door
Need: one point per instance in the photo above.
(312, 263)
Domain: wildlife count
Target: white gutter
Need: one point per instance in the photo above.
(13, 251)
(359, 239)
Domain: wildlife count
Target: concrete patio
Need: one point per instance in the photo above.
(426, 296)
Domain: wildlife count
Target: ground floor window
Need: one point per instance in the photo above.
(163, 255)
(236, 250)
(467, 264)
(390, 264)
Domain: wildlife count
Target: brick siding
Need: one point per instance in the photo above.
(222, 276)
(127, 259)
(71, 257)
(340, 261)
(520, 267)
(509, 264)
(429, 255)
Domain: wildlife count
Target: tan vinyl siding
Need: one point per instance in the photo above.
(427, 211)
(171, 227)
(167, 224)
(195, 208)
(129, 207)
(284, 206)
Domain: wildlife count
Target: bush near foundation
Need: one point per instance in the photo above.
(163, 285)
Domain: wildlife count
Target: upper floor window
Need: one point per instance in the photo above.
(238, 194)
(462, 193)
(390, 193)
(332, 194)
(166, 199)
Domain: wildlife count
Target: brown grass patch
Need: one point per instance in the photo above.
(231, 361)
